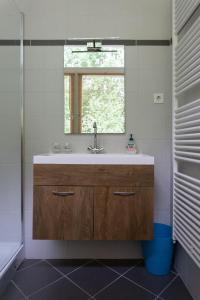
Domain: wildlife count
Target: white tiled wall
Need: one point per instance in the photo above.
(9, 23)
(10, 135)
(144, 19)
(10, 145)
(148, 70)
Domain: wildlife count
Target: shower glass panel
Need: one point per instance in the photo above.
(10, 131)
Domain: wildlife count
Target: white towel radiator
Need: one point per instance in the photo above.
(186, 125)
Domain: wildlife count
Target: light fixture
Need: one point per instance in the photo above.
(93, 46)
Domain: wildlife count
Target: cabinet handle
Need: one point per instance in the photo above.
(63, 194)
(124, 193)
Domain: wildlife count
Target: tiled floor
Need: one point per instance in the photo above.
(92, 279)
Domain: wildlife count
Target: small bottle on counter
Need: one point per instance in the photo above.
(67, 148)
(131, 147)
(55, 147)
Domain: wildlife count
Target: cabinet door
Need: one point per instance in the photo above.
(63, 213)
(123, 213)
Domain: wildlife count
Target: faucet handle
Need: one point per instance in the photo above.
(95, 150)
(101, 149)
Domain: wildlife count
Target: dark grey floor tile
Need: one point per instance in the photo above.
(123, 289)
(28, 263)
(174, 270)
(93, 277)
(11, 293)
(151, 282)
(31, 279)
(67, 265)
(63, 289)
(176, 290)
(120, 265)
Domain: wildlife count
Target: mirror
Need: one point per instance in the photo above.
(94, 89)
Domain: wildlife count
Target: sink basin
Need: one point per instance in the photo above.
(102, 159)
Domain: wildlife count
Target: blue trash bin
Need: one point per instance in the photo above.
(158, 253)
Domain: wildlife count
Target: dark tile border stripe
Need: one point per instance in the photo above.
(83, 42)
(47, 42)
(27, 42)
(153, 42)
(9, 42)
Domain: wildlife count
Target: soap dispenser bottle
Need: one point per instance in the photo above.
(131, 147)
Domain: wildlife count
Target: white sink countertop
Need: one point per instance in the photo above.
(101, 159)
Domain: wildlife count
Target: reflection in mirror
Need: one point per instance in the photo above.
(94, 89)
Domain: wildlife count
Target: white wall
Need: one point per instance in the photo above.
(9, 20)
(145, 19)
(10, 134)
(148, 70)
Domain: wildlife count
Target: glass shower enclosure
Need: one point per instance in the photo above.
(11, 126)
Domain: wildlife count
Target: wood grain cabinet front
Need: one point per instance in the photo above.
(123, 213)
(93, 202)
(63, 213)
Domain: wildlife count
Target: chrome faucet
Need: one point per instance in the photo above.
(95, 148)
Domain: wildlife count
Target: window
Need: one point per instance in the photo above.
(94, 90)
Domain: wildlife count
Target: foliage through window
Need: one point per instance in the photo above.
(94, 90)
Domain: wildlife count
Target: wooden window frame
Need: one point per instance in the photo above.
(71, 99)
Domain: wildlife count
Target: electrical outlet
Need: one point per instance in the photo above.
(158, 98)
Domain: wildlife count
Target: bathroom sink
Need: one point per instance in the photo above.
(84, 158)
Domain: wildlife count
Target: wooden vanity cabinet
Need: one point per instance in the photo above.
(93, 202)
